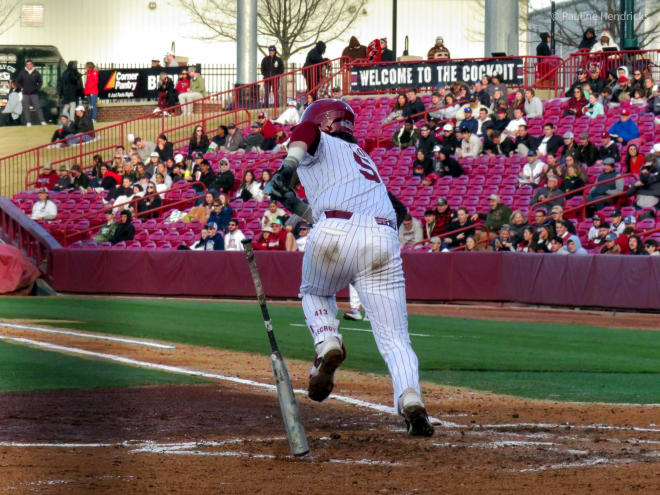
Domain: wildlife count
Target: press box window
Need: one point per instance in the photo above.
(32, 15)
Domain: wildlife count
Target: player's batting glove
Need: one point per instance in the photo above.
(281, 181)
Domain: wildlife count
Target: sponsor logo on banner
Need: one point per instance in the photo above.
(126, 84)
(428, 74)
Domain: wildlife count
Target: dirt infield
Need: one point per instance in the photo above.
(228, 438)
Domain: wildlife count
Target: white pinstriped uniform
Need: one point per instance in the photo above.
(358, 250)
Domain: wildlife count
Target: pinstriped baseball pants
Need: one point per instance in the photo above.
(366, 254)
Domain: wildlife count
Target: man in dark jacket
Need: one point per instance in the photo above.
(271, 66)
(426, 140)
(496, 146)
(588, 40)
(524, 141)
(82, 124)
(581, 79)
(80, 180)
(354, 50)
(125, 230)
(224, 181)
(461, 221)
(444, 164)
(586, 152)
(543, 48)
(647, 187)
(29, 81)
(387, 55)
(609, 188)
(413, 106)
(314, 75)
(595, 82)
(164, 148)
(70, 89)
(548, 143)
(608, 148)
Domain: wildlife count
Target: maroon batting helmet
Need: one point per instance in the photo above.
(331, 115)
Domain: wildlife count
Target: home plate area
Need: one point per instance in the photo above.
(229, 438)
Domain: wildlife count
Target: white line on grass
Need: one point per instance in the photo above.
(364, 330)
(146, 343)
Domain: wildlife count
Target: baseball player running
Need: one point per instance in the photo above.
(355, 241)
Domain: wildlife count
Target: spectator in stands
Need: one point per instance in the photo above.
(413, 107)
(638, 97)
(513, 127)
(151, 165)
(540, 217)
(47, 178)
(221, 212)
(524, 141)
(410, 231)
(354, 50)
(557, 216)
(576, 103)
(183, 84)
(81, 127)
(481, 94)
(549, 143)
(167, 95)
(29, 82)
(588, 39)
(533, 104)
(249, 187)
(125, 230)
(605, 41)
(145, 148)
(234, 139)
(594, 108)
(549, 191)
(164, 148)
(518, 102)
(595, 228)
(606, 97)
(625, 129)
(290, 116)
(79, 179)
(44, 208)
(498, 101)
(279, 237)
(271, 66)
(495, 145)
(429, 223)
(426, 140)
(253, 141)
(474, 105)
(197, 90)
(647, 187)
(422, 161)
(616, 222)
(596, 83)
(601, 233)
(634, 161)
(501, 121)
(608, 148)
(451, 108)
(651, 247)
(531, 171)
(199, 141)
(438, 51)
(107, 230)
(468, 120)
(199, 244)
(518, 224)
(623, 92)
(543, 48)
(268, 131)
(578, 83)
(149, 203)
(224, 181)
(572, 180)
(496, 81)
(448, 139)
(602, 190)
(610, 246)
(91, 90)
(461, 221)
(635, 245)
(444, 164)
(523, 244)
(303, 232)
(272, 213)
(483, 123)
(443, 217)
(397, 109)
(470, 145)
(407, 135)
(569, 148)
(313, 75)
(207, 177)
(504, 241)
(124, 189)
(214, 241)
(498, 215)
(234, 237)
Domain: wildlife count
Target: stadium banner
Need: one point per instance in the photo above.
(426, 74)
(132, 84)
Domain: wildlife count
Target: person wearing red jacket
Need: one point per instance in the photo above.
(92, 88)
(576, 103)
(47, 178)
(634, 160)
(268, 130)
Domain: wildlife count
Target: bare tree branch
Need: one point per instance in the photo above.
(295, 25)
(8, 17)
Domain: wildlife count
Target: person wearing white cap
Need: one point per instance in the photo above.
(81, 126)
(44, 209)
(438, 51)
(290, 116)
(155, 62)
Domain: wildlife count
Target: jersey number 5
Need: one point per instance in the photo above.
(366, 165)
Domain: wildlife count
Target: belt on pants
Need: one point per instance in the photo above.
(347, 215)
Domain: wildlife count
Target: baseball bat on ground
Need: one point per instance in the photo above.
(294, 427)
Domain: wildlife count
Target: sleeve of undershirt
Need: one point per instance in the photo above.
(308, 133)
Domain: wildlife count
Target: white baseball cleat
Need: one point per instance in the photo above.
(411, 407)
(330, 354)
(353, 314)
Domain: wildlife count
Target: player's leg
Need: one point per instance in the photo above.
(381, 286)
(354, 300)
(326, 269)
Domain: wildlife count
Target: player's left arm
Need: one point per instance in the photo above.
(399, 208)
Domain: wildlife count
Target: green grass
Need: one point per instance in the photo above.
(27, 369)
(535, 360)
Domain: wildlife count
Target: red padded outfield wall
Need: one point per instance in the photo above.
(612, 281)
